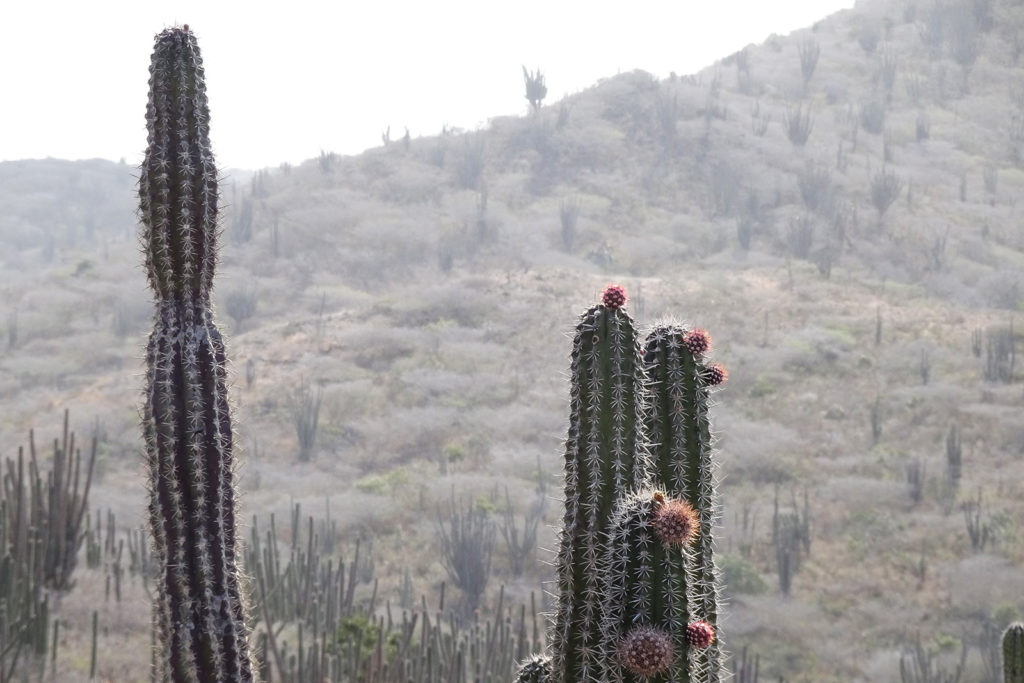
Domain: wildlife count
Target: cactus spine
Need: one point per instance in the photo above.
(198, 616)
(682, 455)
(1013, 653)
(605, 455)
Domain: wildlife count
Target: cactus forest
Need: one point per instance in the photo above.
(456, 409)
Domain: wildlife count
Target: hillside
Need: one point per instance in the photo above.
(838, 207)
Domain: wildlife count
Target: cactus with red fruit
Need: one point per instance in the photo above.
(605, 457)
(635, 562)
(198, 611)
(645, 595)
(679, 381)
(1013, 653)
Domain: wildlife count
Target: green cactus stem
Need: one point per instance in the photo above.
(1013, 653)
(605, 456)
(682, 454)
(198, 612)
(645, 604)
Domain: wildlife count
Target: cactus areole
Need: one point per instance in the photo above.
(198, 616)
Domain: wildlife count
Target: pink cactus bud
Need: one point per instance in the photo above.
(698, 341)
(614, 296)
(675, 521)
(699, 634)
(716, 374)
(646, 651)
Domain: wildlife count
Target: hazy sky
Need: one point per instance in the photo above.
(306, 76)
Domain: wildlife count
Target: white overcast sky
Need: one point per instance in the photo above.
(288, 81)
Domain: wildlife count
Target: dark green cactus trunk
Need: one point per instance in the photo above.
(198, 611)
(645, 587)
(605, 456)
(1013, 654)
(682, 455)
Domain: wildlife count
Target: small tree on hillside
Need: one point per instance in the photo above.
(536, 90)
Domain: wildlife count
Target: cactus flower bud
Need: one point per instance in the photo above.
(614, 296)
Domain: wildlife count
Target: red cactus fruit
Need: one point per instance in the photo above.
(614, 296)
(716, 374)
(646, 651)
(675, 521)
(699, 634)
(698, 341)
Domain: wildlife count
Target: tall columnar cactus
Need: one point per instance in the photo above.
(1013, 653)
(638, 593)
(605, 456)
(646, 610)
(679, 380)
(198, 616)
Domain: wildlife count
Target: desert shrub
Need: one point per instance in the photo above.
(885, 189)
(923, 127)
(568, 214)
(868, 38)
(469, 165)
(741, 576)
(467, 544)
(872, 116)
(384, 483)
(814, 180)
(799, 125)
(725, 184)
(240, 305)
(801, 236)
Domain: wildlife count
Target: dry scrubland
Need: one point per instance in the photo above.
(426, 288)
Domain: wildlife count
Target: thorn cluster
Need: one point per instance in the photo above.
(646, 651)
(614, 296)
(534, 670)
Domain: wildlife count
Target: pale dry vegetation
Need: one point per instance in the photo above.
(424, 292)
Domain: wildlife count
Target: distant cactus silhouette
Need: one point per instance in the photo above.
(198, 612)
(536, 89)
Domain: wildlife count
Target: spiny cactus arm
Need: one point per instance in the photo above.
(198, 615)
(178, 178)
(1013, 653)
(683, 454)
(605, 456)
(645, 607)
